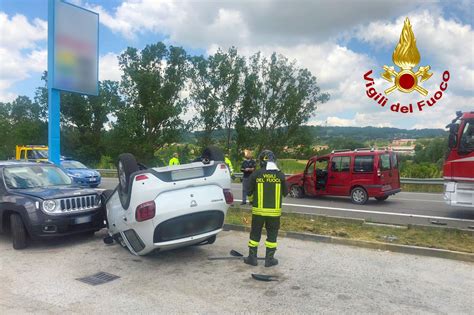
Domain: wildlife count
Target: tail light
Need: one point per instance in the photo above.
(229, 198)
(141, 177)
(379, 173)
(145, 211)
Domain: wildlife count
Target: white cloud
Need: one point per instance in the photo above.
(18, 33)
(279, 22)
(20, 51)
(109, 68)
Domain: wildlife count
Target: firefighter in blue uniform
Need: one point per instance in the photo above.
(267, 186)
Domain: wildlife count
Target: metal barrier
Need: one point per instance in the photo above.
(417, 181)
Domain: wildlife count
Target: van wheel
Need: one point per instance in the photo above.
(296, 191)
(359, 195)
(18, 231)
(381, 198)
(126, 165)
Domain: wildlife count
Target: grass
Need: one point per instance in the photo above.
(292, 166)
(422, 188)
(441, 238)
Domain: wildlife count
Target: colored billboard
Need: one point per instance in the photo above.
(76, 43)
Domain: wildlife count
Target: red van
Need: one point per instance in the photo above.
(360, 174)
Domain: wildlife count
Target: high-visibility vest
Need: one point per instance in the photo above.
(174, 161)
(267, 189)
(229, 164)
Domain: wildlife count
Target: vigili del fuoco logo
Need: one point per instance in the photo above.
(408, 79)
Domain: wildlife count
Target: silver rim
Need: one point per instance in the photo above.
(358, 195)
(122, 177)
(294, 191)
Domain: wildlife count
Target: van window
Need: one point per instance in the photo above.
(394, 161)
(341, 164)
(310, 169)
(384, 162)
(364, 163)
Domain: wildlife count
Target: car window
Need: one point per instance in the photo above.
(30, 155)
(364, 163)
(341, 164)
(384, 162)
(322, 164)
(394, 161)
(35, 176)
(72, 164)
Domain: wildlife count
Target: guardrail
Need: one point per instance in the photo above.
(418, 181)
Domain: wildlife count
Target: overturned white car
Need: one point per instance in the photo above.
(168, 207)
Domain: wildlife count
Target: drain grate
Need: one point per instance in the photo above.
(98, 278)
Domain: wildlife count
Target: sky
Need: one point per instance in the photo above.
(338, 41)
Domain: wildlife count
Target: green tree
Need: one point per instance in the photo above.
(21, 122)
(278, 98)
(152, 82)
(216, 91)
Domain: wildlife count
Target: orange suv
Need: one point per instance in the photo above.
(360, 174)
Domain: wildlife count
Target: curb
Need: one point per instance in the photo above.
(405, 249)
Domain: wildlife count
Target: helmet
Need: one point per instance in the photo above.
(266, 156)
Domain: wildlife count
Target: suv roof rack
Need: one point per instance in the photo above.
(341, 150)
(365, 149)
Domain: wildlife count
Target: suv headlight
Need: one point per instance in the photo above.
(49, 205)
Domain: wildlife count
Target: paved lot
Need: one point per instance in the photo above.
(403, 208)
(315, 278)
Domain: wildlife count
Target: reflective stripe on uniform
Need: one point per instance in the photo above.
(277, 196)
(253, 243)
(270, 244)
(260, 195)
(266, 212)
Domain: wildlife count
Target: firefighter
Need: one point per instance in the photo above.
(174, 160)
(266, 188)
(228, 162)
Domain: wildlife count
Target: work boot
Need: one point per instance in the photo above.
(252, 258)
(269, 259)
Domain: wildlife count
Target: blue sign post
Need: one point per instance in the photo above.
(54, 96)
(73, 59)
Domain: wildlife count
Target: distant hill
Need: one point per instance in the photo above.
(324, 134)
(370, 133)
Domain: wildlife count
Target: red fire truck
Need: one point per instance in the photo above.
(458, 172)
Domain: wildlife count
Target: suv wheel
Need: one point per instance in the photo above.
(18, 231)
(127, 164)
(296, 191)
(381, 198)
(359, 195)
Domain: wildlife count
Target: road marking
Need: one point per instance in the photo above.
(423, 200)
(374, 212)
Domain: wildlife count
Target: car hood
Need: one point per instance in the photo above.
(294, 179)
(55, 192)
(82, 171)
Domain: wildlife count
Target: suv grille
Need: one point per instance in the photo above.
(79, 203)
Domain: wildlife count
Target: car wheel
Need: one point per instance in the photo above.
(212, 154)
(211, 239)
(296, 191)
(94, 186)
(126, 166)
(359, 195)
(18, 231)
(381, 198)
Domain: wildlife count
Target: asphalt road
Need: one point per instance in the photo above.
(313, 278)
(403, 208)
